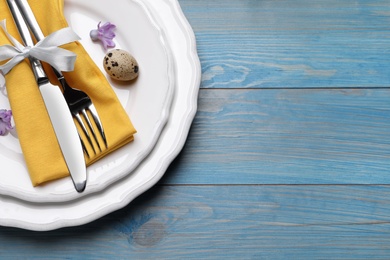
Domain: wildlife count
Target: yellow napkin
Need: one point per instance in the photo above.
(36, 135)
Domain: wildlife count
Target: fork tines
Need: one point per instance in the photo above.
(81, 117)
(86, 116)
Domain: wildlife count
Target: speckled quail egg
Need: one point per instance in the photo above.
(120, 65)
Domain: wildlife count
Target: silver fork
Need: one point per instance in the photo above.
(78, 101)
(80, 105)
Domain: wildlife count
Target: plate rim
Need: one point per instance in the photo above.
(101, 183)
(126, 195)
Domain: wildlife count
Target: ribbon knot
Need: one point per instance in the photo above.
(46, 50)
(26, 51)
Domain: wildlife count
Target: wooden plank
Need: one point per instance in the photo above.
(315, 111)
(282, 136)
(225, 222)
(292, 44)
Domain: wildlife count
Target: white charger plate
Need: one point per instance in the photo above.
(147, 100)
(49, 216)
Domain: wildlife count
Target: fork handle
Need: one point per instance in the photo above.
(24, 33)
(30, 19)
(32, 23)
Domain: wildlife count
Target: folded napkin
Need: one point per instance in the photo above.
(36, 135)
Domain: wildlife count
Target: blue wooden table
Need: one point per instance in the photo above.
(288, 156)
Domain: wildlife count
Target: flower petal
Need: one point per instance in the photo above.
(104, 33)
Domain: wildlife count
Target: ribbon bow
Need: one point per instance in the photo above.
(46, 50)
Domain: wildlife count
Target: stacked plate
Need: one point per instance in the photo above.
(161, 104)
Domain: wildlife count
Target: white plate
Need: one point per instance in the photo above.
(48, 216)
(147, 100)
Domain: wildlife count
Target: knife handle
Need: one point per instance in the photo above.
(32, 23)
(24, 33)
(30, 19)
(20, 24)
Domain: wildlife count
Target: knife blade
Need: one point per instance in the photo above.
(57, 108)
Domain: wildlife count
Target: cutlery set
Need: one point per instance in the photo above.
(62, 107)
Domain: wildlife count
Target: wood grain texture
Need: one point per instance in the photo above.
(291, 133)
(292, 44)
(226, 222)
(284, 136)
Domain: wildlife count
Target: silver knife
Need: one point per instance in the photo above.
(57, 108)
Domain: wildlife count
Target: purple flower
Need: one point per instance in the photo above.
(105, 34)
(5, 121)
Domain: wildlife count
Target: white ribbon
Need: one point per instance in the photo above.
(46, 50)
